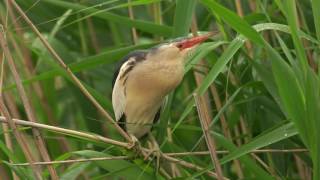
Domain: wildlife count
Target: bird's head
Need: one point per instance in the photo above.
(177, 49)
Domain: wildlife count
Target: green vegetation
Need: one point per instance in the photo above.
(258, 79)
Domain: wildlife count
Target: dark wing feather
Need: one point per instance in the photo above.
(118, 90)
(157, 116)
(139, 55)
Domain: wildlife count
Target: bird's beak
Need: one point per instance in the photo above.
(190, 42)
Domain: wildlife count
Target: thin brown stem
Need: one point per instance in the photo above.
(27, 106)
(133, 30)
(98, 138)
(174, 169)
(225, 127)
(69, 72)
(20, 138)
(263, 164)
(93, 35)
(205, 121)
(68, 132)
(5, 127)
(191, 166)
(240, 13)
(199, 76)
(73, 161)
(25, 57)
(167, 154)
(156, 10)
(227, 152)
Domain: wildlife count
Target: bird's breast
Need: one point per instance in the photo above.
(155, 79)
(145, 89)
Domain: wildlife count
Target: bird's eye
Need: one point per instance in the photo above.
(179, 46)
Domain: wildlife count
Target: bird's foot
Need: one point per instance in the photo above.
(134, 142)
(155, 151)
(136, 147)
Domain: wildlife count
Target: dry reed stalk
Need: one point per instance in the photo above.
(156, 10)
(263, 164)
(25, 57)
(167, 154)
(70, 132)
(174, 169)
(27, 106)
(133, 30)
(93, 35)
(240, 13)
(224, 124)
(227, 152)
(190, 165)
(205, 121)
(20, 138)
(5, 127)
(194, 29)
(98, 138)
(69, 72)
(73, 161)
(199, 76)
(250, 53)
(300, 164)
(305, 43)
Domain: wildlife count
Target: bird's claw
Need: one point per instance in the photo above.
(134, 142)
(155, 151)
(136, 147)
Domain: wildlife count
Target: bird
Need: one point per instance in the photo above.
(144, 79)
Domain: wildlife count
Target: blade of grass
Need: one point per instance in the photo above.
(139, 24)
(288, 87)
(316, 16)
(292, 17)
(233, 20)
(183, 17)
(87, 63)
(271, 136)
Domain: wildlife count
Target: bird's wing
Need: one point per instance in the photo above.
(118, 92)
(119, 80)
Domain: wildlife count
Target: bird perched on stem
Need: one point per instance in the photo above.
(144, 79)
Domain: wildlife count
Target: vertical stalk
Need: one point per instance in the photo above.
(157, 16)
(5, 127)
(133, 30)
(83, 42)
(21, 140)
(205, 121)
(24, 55)
(69, 72)
(19, 136)
(240, 13)
(217, 101)
(27, 106)
(93, 35)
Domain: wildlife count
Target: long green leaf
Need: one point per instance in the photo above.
(183, 17)
(316, 16)
(292, 17)
(275, 135)
(234, 21)
(288, 87)
(139, 24)
(123, 168)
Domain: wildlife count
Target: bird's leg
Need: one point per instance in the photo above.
(155, 149)
(134, 141)
(136, 146)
